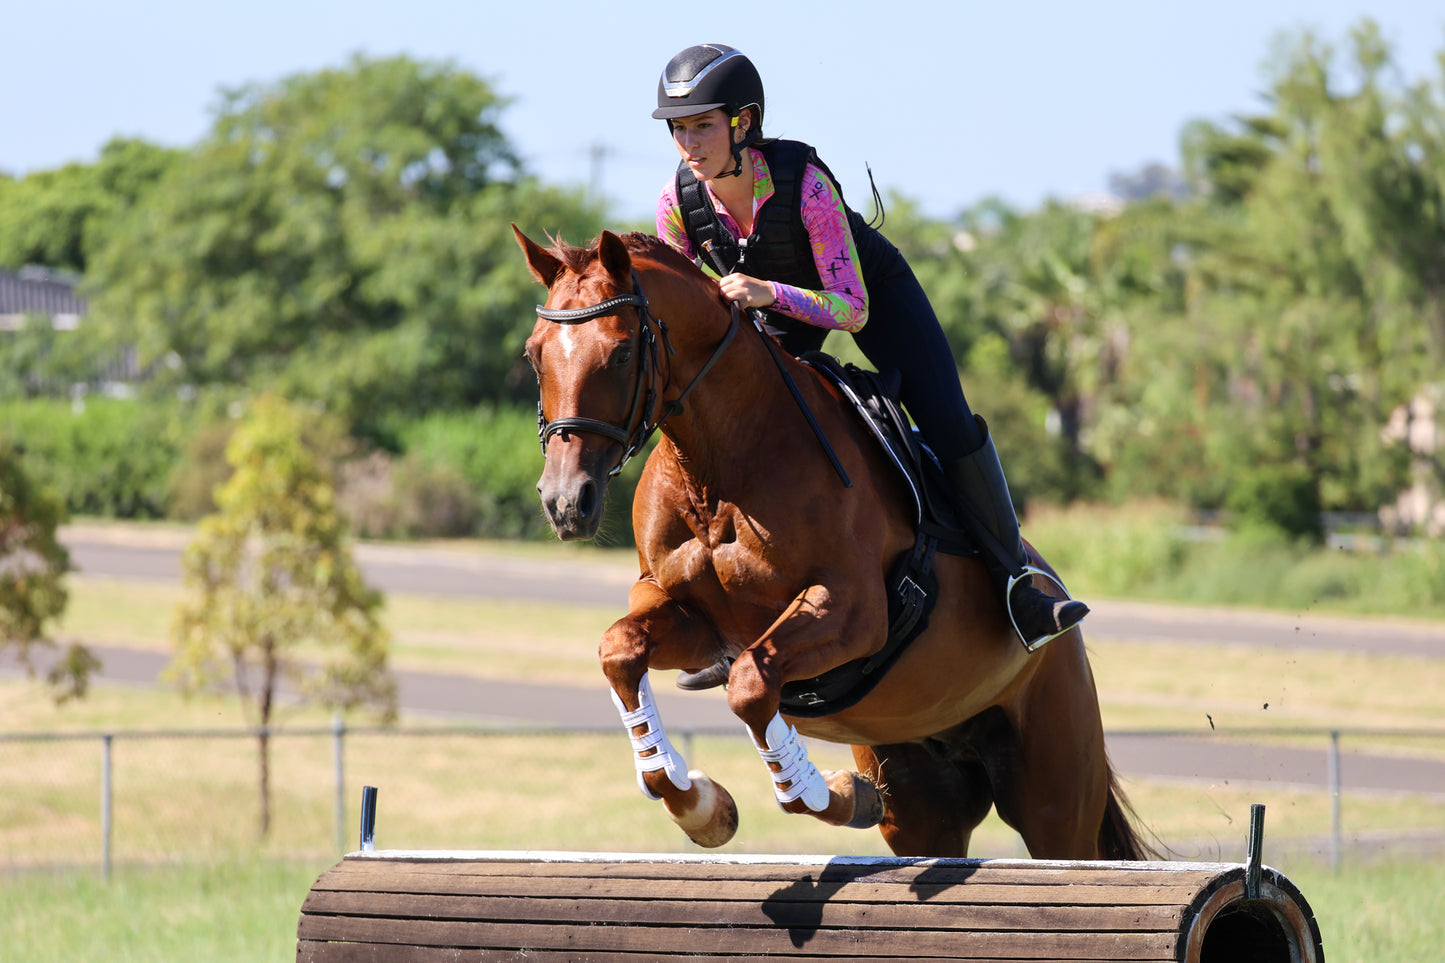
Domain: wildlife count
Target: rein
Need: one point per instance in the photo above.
(645, 397)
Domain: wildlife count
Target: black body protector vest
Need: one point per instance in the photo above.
(779, 248)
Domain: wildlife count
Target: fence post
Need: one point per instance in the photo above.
(106, 741)
(1336, 833)
(338, 736)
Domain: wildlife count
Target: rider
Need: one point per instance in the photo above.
(769, 218)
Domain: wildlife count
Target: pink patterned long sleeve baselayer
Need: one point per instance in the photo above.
(842, 304)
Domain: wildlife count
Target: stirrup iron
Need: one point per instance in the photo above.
(1033, 645)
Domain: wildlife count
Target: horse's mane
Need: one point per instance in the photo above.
(577, 259)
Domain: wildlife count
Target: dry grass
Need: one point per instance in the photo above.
(180, 797)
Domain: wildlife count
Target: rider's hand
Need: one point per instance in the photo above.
(747, 292)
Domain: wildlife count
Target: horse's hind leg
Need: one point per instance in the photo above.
(702, 808)
(932, 803)
(1052, 782)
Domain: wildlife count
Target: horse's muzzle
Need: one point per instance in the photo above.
(573, 503)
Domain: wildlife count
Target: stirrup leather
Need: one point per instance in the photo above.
(1032, 645)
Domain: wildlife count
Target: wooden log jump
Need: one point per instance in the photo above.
(422, 907)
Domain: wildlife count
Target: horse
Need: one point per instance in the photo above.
(751, 548)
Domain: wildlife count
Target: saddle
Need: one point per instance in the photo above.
(912, 583)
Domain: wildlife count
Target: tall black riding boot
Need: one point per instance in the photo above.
(987, 511)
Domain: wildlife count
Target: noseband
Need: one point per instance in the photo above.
(644, 394)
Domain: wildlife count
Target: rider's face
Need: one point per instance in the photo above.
(704, 141)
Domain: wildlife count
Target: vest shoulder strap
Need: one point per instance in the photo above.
(710, 240)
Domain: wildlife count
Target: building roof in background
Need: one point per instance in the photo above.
(39, 291)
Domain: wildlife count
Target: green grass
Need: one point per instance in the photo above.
(234, 911)
(1393, 911)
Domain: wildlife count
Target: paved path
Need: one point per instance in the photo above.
(603, 581)
(1175, 756)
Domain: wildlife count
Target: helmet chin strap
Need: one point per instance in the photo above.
(738, 149)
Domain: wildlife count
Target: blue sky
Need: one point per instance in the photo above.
(948, 101)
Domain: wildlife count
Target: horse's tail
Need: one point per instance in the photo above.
(1118, 836)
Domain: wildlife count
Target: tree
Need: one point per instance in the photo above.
(275, 596)
(1322, 278)
(340, 236)
(33, 565)
(58, 218)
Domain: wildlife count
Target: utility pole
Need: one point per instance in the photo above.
(597, 155)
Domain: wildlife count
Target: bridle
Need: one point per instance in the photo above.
(645, 396)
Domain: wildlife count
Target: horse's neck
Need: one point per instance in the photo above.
(719, 428)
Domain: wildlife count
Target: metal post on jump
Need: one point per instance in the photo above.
(1256, 852)
(368, 819)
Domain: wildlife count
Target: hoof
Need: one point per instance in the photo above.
(712, 818)
(854, 801)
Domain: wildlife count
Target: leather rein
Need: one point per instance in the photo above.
(645, 396)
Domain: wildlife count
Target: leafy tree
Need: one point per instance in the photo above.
(341, 236)
(1321, 280)
(275, 596)
(58, 218)
(1026, 282)
(33, 565)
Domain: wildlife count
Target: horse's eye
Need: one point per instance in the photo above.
(622, 357)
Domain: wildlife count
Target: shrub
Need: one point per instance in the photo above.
(1110, 550)
(493, 451)
(1281, 498)
(385, 497)
(100, 456)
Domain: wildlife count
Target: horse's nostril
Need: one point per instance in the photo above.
(587, 500)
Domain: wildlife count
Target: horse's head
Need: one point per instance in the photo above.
(595, 355)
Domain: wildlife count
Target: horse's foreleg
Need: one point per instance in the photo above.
(837, 798)
(790, 650)
(702, 808)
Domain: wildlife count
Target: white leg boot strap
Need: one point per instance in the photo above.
(666, 758)
(787, 751)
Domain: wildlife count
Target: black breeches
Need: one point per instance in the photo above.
(902, 338)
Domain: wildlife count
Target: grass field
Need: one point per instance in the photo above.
(193, 883)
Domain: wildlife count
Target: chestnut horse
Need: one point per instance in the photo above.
(751, 547)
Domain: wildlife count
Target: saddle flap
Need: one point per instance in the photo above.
(875, 399)
(912, 583)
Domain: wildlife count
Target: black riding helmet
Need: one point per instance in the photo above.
(707, 76)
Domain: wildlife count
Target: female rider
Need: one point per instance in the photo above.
(769, 218)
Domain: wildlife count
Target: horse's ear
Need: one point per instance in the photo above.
(614, 257)
(544, 266)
